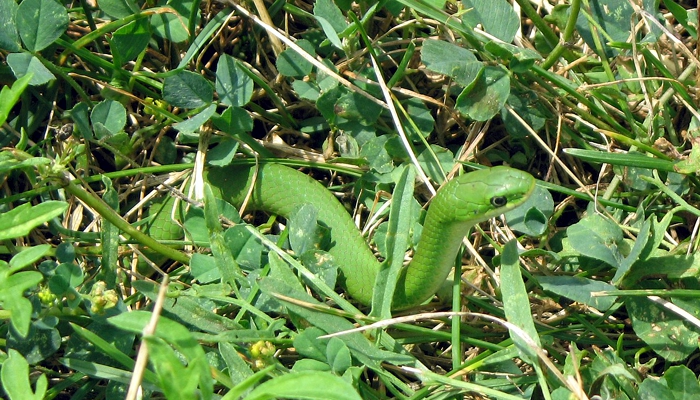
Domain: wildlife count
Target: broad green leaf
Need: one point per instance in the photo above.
(375, 151)
(303, 229)
(191, 125)
(579, 289)
(527, 105)
(130, 40)
(290, 63)
(174, 334)
(516, 305)
(353, 106)
(10, 96)
(234, 86)
(27, 257)
(305, 385)
(203, 268)
(25, 63)
(20, 309)
(223, 153)
(448, 59)
(496, 16)
(21, 220)
(598, 238)
(682, 382)
(39, 344)
(330, 12)
(653, 389)
(9, 36)
(338, 356)
(15, 379)
(613, 19)
(79, 114)
(108, 117)
(67, 276)
(436, 162)
(330, 32)
(175, 378)
(234, 121)
(421, 118)
(665, 332)
(174, 27)
(487, 97)
(238, 368)
(187, 89)
(401, 217)
(119, 8)
(40, 23)
(532, 217)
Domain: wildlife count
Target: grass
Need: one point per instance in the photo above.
(588, 290)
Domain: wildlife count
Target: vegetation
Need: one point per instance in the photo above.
(587, 291)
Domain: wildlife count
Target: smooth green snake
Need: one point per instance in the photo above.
(459, 204)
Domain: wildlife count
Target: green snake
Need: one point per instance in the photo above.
(459, 204)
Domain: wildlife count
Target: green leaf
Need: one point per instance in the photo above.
(20, 308)
(682, 382)
(21, 220)
(40, 23)
(188, 90)
(234, 121)
(401, 217)
(487, 97)
(338, 356)
(26, 257)
(79, 115)
(15, 379)
(38, 345)
(579, 289)
(174, 334)
(238, 368)
(517, 305)
(598, 238)
(25, 63)
(353, 106)
(330, 32)
(192, 124)
(234, 86)
(653, 389)
(223, 153)
(303, 229)
(613, 19)
(174, 27)
(330, 12)
(10, 96)
(532, 217)
(664, 331)
(130, 40)
(496, 16)
(175, 378)
(9, 36)
(108, 117)
(119, 8)
(291, 63)
(305, 385)
(67, 276)
(448, 59)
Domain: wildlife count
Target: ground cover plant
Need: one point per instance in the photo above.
(125, 274)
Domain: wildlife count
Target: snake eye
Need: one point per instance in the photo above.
(499, 201)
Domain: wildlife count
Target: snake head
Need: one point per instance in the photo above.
(487, 193)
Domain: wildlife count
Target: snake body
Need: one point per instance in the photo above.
(464, 201)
